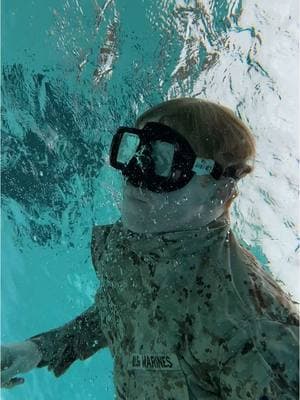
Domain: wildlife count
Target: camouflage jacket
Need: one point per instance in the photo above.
(186, 315)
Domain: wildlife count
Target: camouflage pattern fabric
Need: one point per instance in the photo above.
(78, 339)
(199, 298)
(188, 315)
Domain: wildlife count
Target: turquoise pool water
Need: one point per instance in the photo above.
(72, 72)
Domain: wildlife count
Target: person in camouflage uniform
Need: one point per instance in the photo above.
(186, 311)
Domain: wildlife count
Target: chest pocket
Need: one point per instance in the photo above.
(156, 377)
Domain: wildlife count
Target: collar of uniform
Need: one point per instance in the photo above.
(172, 244)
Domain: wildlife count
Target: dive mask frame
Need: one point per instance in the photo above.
(140, 172)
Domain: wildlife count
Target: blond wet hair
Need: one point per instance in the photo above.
(212, 130)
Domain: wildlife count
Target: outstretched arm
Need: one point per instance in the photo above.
(60, 347)
(57, 349)
(81, 337)
(78, 339)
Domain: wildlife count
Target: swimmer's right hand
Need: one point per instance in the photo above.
(18, 358)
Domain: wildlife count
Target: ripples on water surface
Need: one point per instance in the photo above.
(72, 72)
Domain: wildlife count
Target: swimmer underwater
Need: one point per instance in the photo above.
(186, 311)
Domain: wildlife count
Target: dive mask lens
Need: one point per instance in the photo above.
(127, 148)
(162, 154)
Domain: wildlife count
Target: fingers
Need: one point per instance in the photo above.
(12, 382)
(6, 358)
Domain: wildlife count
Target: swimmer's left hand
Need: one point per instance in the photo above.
(17, 358)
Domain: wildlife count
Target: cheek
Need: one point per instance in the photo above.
(205, 199)
(175, 200)
(159, 203)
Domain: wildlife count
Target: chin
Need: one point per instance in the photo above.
(130, 226)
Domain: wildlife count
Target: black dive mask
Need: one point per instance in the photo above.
(159, 158)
